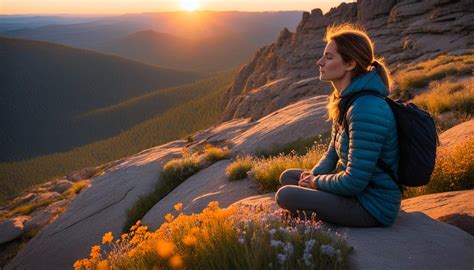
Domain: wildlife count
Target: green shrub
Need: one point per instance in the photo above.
(174, 172)
(239, 167)
(76, 188)
(266, 171)
(213, 153)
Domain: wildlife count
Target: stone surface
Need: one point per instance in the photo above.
(302, 119)
(414, 241)
(209, 184)
(97, 210)
(457, 134)
(454, 207)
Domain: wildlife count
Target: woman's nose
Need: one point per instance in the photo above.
(319, 62)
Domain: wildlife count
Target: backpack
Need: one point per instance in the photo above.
(417, 139)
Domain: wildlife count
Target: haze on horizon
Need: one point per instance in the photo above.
(116, 7)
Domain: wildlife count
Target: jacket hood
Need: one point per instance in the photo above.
(367, 81)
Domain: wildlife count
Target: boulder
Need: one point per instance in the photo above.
(12, 228)
(454, 207)
(60, 185)
(457, 134)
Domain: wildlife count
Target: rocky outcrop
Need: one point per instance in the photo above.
(403, 31)
(455, 208)
(99, 209)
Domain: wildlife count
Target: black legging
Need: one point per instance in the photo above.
(329, 207)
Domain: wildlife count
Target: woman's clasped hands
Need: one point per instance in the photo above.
(306, 179)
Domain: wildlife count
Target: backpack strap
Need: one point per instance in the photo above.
(344, 105)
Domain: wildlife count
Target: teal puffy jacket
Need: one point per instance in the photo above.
(372, 134)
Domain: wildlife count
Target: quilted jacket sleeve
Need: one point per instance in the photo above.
(368, 127)
(328, 161)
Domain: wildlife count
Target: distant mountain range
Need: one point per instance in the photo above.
(202, 41)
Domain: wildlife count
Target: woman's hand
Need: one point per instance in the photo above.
(305, 173)
(306, 180)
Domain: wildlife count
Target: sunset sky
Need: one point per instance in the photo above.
(138, 6)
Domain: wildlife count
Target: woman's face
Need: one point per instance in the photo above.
(331, 66)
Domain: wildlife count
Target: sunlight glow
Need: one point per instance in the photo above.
(189, 5)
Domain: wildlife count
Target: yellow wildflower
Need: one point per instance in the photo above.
(164, 248)
(178, 206)
(189, 240)
(102, 265)
(95, 252)
(132, 252)
(142, 229)
(213, 204)
(176, 261)
(77, 264)
(134, 227)
(80, 263)
(194, 230)
(107, 238)
(169, 217)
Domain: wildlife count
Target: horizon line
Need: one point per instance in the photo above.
(152, 12)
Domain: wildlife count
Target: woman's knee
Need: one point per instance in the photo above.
(289, 176)
(285, 195)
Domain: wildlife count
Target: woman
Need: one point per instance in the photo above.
(355, 193)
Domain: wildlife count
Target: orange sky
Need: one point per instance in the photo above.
(138, 6)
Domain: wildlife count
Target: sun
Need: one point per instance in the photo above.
(189, 5)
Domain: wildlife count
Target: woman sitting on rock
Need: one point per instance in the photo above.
(356, 192)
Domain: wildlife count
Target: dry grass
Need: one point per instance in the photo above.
(266, 171)
(447, 95)
(421, 74)
(213, 153)
(238, 169)
(454, 170)
(76, 188)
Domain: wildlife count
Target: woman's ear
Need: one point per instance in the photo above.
(350, 65)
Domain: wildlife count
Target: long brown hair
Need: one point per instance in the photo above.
(353, 43)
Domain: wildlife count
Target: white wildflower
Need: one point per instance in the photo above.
(272, 231)
(281, 258)
(327, 249)
(275, 243)
(288, 248)
(308, 259)
(241, 240)
(308, 245)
